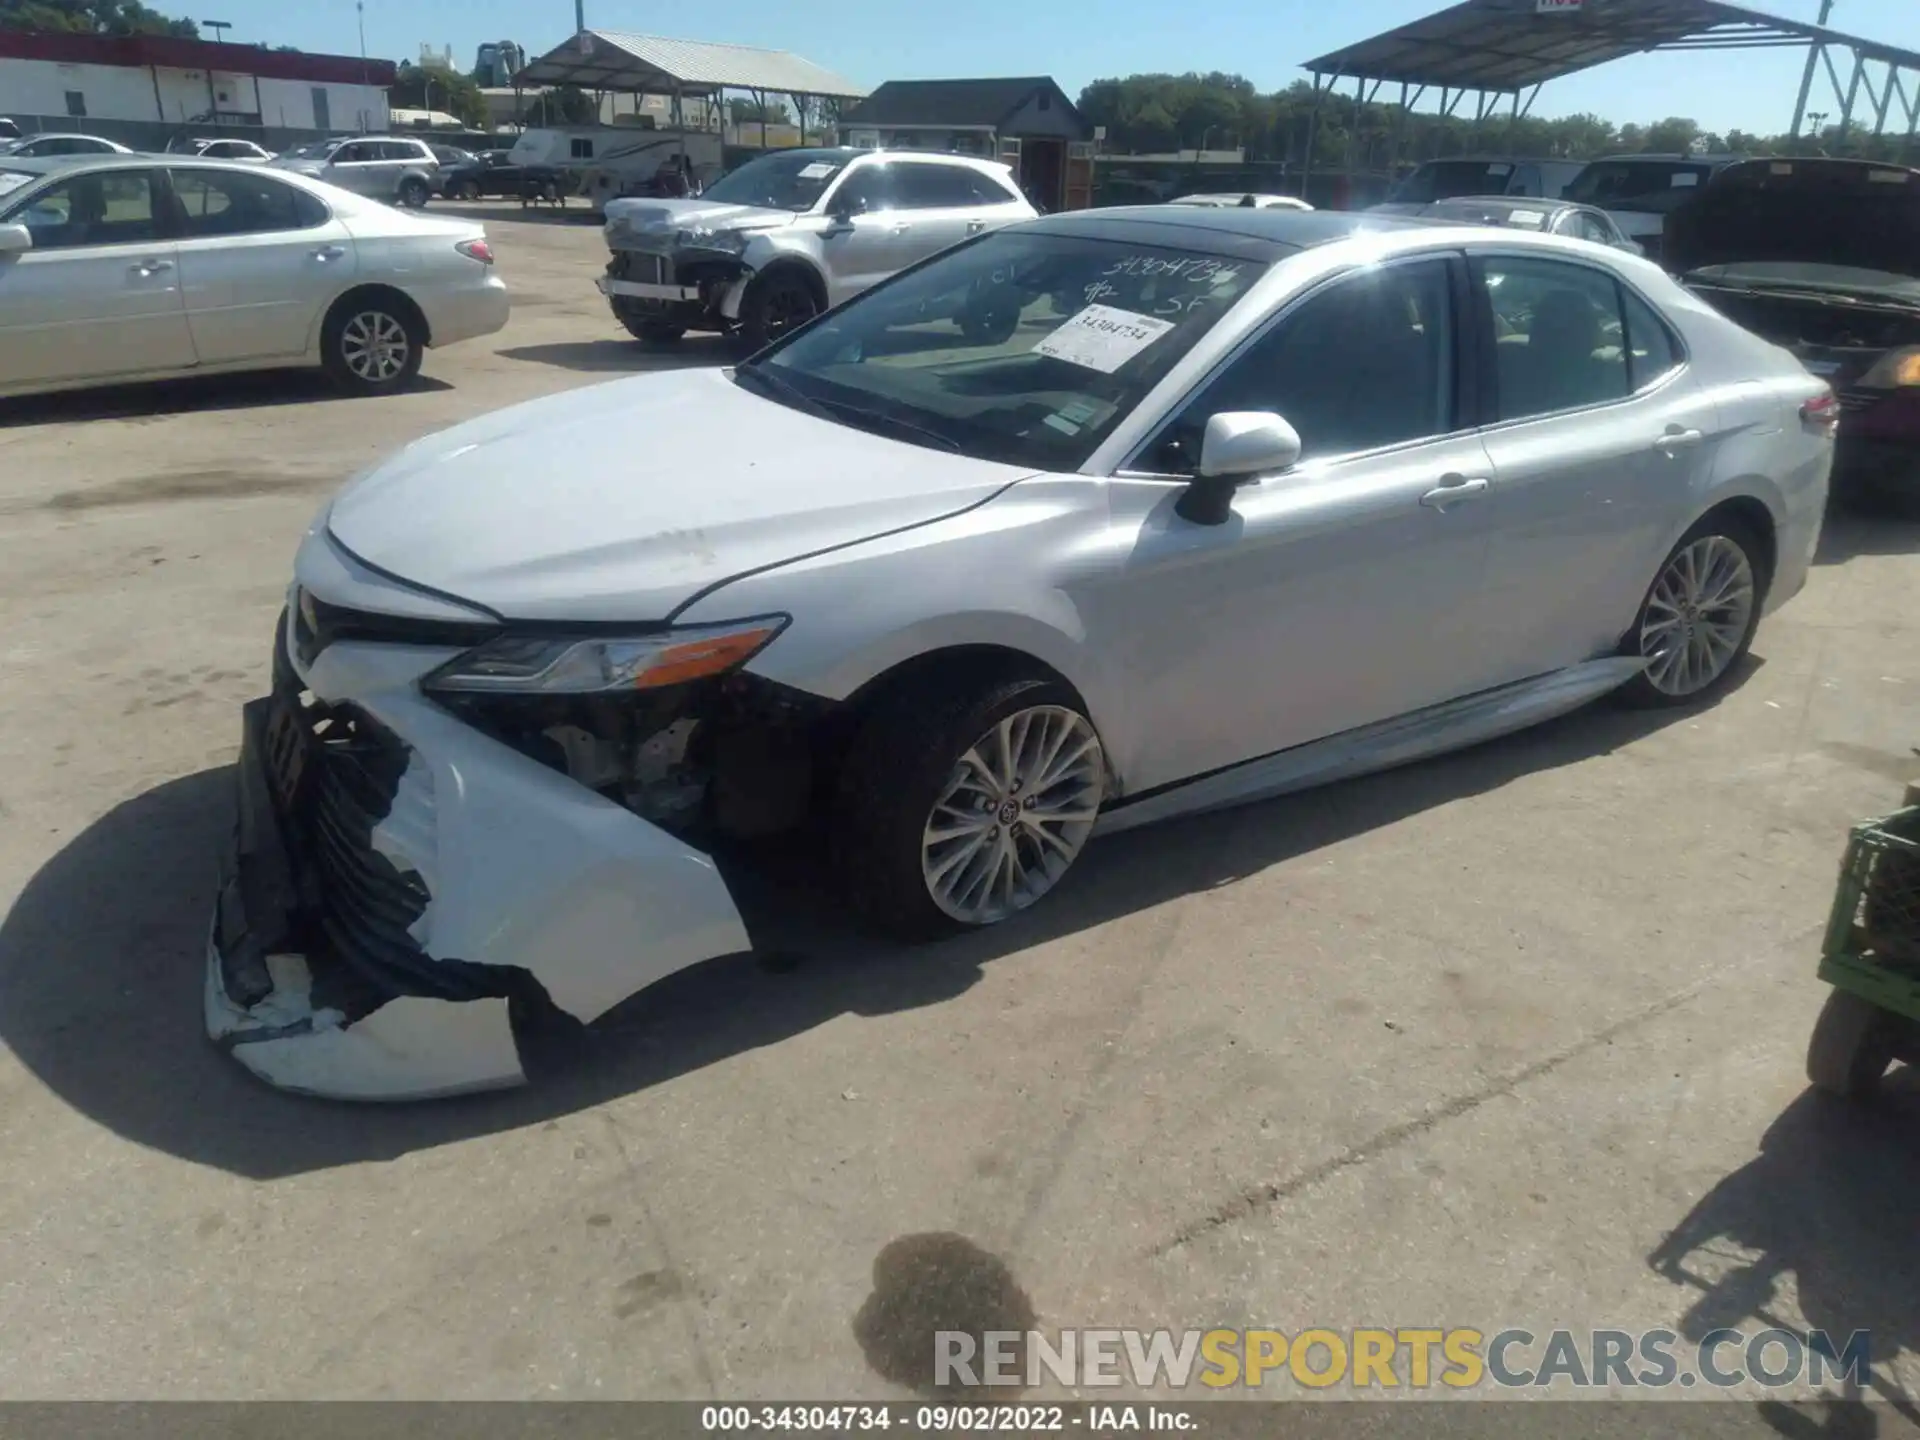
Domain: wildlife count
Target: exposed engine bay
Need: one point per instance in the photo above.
(736, 757)
(1836, 322)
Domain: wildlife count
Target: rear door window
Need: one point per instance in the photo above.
(1558, 335)
(218, 202)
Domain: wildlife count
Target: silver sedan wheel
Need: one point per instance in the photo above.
(375, 346)
(1014, 814)
(1697, 616)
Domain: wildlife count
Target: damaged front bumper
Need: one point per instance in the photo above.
(696, 289)
(406, 894)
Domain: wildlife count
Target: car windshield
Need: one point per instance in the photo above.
(793, 180)
(1605, 183)
(1022, 347)
(312, 150)
(11, 180)
(1492, 212)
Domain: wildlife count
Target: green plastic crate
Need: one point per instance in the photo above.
(1872, 947)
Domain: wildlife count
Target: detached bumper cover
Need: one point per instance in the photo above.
(402, 887)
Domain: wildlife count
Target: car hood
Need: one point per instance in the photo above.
(621, 502)
(639, 217)
(1845, 231)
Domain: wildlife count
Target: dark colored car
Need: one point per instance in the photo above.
(1467, 175)
(487, 173)
(1823, 257)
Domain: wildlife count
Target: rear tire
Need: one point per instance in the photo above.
(372, 345)
(1698, 619)
(774, 304)
(469, 190)
(414, 193)
(915, 770)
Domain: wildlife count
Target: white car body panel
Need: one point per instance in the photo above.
(1341, 623)
(755, 484)
(89, 315)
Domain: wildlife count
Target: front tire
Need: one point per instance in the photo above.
(370, 345)
(963, 804)
(774, 304)
(1852, 1047)
(1699, 616)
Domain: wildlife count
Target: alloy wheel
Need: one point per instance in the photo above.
(1697, 615)
(1014, 814)
(375, 346)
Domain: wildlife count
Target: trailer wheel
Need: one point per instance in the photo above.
(1852, 1046)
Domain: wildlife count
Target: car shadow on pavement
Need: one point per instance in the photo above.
(628, 357)
(1827, 1207)
(246, 390)
(102, 954)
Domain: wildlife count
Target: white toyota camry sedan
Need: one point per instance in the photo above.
(143, 267)
(1096, 520)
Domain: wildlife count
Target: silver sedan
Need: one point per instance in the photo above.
(1092, 521)
(141, 267)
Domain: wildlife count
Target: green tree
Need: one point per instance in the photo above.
(434, 87)
(1673, 135)
(92, 17)
(752, 112)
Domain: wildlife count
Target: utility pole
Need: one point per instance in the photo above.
(1814, 51)
(360, 12)
(579, 16)
(219, 28)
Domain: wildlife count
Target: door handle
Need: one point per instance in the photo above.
(144, 268)
(1452, 490)
(1677, 439)
(328, 252)
(902, 228)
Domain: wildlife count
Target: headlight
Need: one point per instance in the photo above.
(701, 238)
(576, 665)
(1895, 370)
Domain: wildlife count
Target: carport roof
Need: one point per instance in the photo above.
(620, 60)
(1510, 45)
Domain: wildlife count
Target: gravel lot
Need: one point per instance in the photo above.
(1512, 1038)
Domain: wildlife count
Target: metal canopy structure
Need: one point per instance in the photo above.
(1507, 49)
(617, 60)
(649, 64)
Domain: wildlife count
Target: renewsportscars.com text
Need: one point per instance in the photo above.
(1418, 1358)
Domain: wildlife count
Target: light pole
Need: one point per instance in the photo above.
(360, 14)
(219, 28)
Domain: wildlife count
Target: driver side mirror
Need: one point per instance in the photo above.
(14, 239)
(844, 206)
(1237, 446)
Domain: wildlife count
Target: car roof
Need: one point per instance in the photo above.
(52, 164)
(1256, 232)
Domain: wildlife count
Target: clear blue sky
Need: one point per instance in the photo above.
(1266, 40)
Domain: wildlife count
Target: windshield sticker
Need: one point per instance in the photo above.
(1061, 423)
(1683, 178)
(1526, 219)
(1886, 177)
(816, 171)
(1499, 169)
(12, 180)
(1103, 338)
(1780, 167)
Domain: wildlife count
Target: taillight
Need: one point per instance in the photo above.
(1821, 414)
(476, 250)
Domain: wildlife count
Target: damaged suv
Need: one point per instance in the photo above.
(773, 243)
(1082, 524)
(1823, 257)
